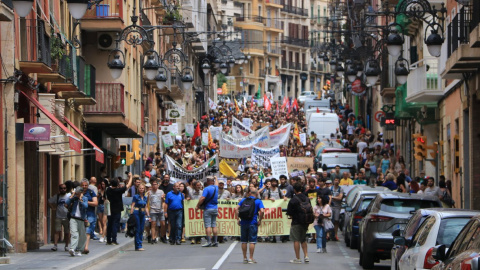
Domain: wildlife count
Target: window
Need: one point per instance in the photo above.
(364, 204)
(423, 232)
(406, 206)
(412, 225)
(250, 66)
(449, 230)
(463, 238)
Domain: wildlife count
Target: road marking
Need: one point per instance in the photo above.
(225, 256)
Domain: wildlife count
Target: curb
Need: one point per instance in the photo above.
(103, 256)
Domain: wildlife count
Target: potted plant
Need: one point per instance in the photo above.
(57, 50)
(172, 16)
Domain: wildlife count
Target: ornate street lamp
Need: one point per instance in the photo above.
(187, 79)
(401, 70)
(22, 7)
(351, 73)
(340, 70)
(161, 78)
(372, 72)
(116, 66)
(394, 44)
(151, 65)
(434, 43)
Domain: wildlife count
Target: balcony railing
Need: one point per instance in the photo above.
(37, 48)
(277, 2)
(295, 41)
(298, 66)
(284, 64)
(86, 77)
(305, 67)
(424, 81)
(240, 19)
(262, 73)
(259, 19)
(110, 99)
(273, 23)
(291, 65)
(459, 30)
(106, 9)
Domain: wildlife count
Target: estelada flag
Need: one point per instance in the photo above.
(295, 104)
(266, 103)
(296, 133)
(237, 110)
(196, 134)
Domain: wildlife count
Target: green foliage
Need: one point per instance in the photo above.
(174, 15)
(57, 48)
(221, 79)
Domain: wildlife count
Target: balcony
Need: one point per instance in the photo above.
(292, 65)
(109, 113)
(274, 24)
(262, 74)
(284, 64)
(6, 11)
(458, 56)
(295, 41)
(322, 21)
(176, 83)
(259, 19)
(273, 3)
(35, 58)
(272, 50)
(82, 86)
(424, 83)
(475, 25)
(240, 19)
(305, 67)
(298, 66)
(107, 16)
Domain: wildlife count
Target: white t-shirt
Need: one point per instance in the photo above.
(350, 130)
(361, 146)
(61, 209)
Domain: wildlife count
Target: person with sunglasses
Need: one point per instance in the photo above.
(57, 203)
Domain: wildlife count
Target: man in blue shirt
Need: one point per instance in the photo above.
(209, 200)
(173, 210)
(91, 216)
(249, 228)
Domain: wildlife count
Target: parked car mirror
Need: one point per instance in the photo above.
(396, 233)
(399, 241)
(348, 209)
(439, 252)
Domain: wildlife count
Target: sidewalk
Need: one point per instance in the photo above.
(44, 258)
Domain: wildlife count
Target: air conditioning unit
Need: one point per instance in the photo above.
(106, 40)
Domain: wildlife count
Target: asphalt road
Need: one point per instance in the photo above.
(275, 256)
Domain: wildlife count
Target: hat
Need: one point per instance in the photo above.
(329, 181)
(78, 189)
(381, 134)
(148, 185)
(320, 170)
(188, 155)
(174, 150)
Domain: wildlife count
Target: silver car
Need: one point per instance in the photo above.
(389, 211)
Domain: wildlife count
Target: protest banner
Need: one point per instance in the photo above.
(279, 166)
(167, 140)
(262, 156)
(256, 125)
(179, 174)
(241, 148)
(280, 136)
(247, 122)
(274, 222)
(239, 130)
(303, 138)
(216, 132)
(205, 138)
(189, 130)
(299, 163)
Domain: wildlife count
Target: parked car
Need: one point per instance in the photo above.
(351, 200)
(441, 227)
(388, 212)
(306, 95)
(464, 253)
(355, 215)
(410, 230)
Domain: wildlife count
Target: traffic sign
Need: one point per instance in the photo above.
(379, 115)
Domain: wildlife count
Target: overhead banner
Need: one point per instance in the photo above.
(241, 148)
(262, 156)
(279, 166)
(239, 130)
(179, 174)
(274, 222)
(299, 163)
(280, 136)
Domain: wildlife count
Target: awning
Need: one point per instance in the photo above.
(98, 153)
(74, 142)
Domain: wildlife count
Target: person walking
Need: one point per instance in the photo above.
(249, 227)
(140, 211)
(298, 230)
(322, 212)
(77, 204)
(173, 209)
(155, 207)
(336, 203)
(210, 200)
(101, 215)
(91, 215)
(114, 195)
(57, 203)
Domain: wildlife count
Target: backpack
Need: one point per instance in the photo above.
(305, 215)
(447, 199)
(131, 226)
(247, 209)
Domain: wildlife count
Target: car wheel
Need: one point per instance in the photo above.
(353, 242)
(367, 260)
(347, 239)
(360, 260)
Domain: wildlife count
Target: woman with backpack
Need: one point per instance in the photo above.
(322, 222)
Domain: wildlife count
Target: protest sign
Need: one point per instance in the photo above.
(241, 148)
(216, 132)
(279, 166)
(212, 104)
(280, 136)
(303, 138)
(173, 129)
(299, 163)
(181, 109)
(262, 156)
(167, 140)
(205, 138)
(189, 130)
(274, 222)
(247, 122)
(239, 130)
(178, 173)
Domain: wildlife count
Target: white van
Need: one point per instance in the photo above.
(323, 124)
(347, 161)
(309, 112)
(317, 103)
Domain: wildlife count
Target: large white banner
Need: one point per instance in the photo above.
(262, 156)
(179, 174)
(279, 166)
(231, 147)
(239, 130)
(280, 136)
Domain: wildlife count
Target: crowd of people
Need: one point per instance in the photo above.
(156, 204)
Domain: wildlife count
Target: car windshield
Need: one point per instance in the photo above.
(405, 206)
(365, 204)
(449, 229)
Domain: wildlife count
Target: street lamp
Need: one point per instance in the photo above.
(231, 61)
(394, 43)
(434, 43)
(401, 70)
(206, 67)
(22, 7)
(116, 65)
(351, 73)
(151, 65)
(359, 69)
(187, 79)
(77, 8)
(372, 72)
(340, 70)
(224, 68)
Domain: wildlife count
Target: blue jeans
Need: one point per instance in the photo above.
(175, 220)
(113, 221)
(321, 236)
(140, 218)
(92, 219)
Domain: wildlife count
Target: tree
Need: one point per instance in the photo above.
(221, 79)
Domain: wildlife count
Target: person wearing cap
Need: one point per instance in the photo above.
(78, 213)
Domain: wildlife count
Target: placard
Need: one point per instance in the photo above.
(216, 132)
(247, 122)
(262, 156)
(303, 138)
(204, 138)
(173, 129)
(299, 163)
(167, 140)
(279, 166)
(189, 130)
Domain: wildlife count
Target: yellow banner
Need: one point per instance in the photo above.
(275, 222)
